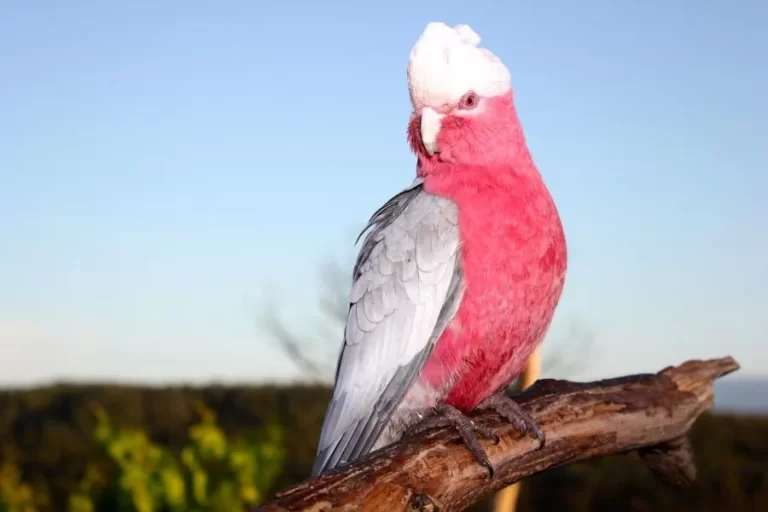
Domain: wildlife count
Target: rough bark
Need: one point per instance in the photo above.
(650, 413)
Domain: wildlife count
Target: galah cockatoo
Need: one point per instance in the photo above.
(458, 278)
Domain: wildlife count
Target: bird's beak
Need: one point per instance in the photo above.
(430, 127)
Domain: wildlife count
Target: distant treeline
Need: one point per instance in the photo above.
(48, 433)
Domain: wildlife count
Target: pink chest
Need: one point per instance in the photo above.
(513, 256)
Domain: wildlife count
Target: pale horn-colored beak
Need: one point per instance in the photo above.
(430, 127)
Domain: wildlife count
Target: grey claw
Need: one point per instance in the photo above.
(468, 430)
(512, 412)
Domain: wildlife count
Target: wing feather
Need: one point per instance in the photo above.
(407, 284)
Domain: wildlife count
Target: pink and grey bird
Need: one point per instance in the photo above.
(459, 275)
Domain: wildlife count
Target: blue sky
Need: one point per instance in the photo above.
(167, 168)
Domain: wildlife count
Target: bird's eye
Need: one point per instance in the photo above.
(468, 101)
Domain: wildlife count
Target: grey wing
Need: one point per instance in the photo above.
(407, 285)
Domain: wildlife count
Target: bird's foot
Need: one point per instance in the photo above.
(448, 416)
(512, 412)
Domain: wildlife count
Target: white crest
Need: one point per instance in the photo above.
(446, 63)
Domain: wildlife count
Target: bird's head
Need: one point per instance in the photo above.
(461, 94)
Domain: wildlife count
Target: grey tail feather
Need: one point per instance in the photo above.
(358, 440)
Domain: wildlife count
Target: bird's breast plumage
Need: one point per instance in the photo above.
(513, 256)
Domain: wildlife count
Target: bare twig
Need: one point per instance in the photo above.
(651, 413)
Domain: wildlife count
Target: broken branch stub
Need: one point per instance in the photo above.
(651, 413)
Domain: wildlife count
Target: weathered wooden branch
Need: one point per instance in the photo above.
(651, 413)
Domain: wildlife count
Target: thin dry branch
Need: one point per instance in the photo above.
(651, 413)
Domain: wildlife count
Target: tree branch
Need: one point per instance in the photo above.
(651, 413)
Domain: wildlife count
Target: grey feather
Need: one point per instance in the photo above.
(407, 286)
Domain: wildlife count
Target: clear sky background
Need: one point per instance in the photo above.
(167, 167)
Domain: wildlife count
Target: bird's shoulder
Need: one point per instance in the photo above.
(413, 222)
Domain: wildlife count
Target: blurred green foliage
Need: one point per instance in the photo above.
(16, 495)
(211, 473)
(161, 449)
